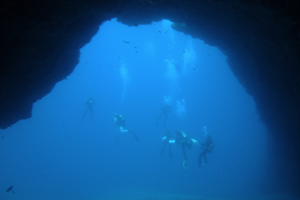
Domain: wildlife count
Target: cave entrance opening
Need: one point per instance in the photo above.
(134, 71)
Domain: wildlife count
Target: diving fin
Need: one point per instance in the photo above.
(184, 164)
(134, 135)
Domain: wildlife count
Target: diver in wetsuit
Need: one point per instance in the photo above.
(89, 103)
(166, 138)
(184, 141)
(120, 121)
(207, 146)
(165, 110)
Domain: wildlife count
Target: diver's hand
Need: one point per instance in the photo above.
(195, 142)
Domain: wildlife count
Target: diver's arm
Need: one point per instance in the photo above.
(164, 138)
(195, 142)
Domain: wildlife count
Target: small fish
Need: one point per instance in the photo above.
(126, 42)
(9, 189)
(159, 31)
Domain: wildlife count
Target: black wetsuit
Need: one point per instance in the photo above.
(165, 110)
(120, 121)
(207, 146)
(168, 136)
(89, 108)
(184, 141)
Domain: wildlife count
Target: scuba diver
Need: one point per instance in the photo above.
(89, 103)
(207, 146)
(120, 121)
(166, 138)
(165, 110)
(184, 141)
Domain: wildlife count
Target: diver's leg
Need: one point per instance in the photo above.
(157, 119)
(83, 115)
(134, 135)
(183, 151)
(189, 144)
(184, 155)
(165, 120)
(123, 130)
(199, 159)
(204, 155)
(92, 114)
(163, 147)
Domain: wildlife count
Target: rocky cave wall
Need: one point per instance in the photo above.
(40, 42)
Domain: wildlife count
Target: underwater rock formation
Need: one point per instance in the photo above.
(40, 42)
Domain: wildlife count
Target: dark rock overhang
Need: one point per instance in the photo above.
(40, 42)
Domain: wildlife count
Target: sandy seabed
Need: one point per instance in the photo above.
(156, 195)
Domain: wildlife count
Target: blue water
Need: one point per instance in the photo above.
(60, 153)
